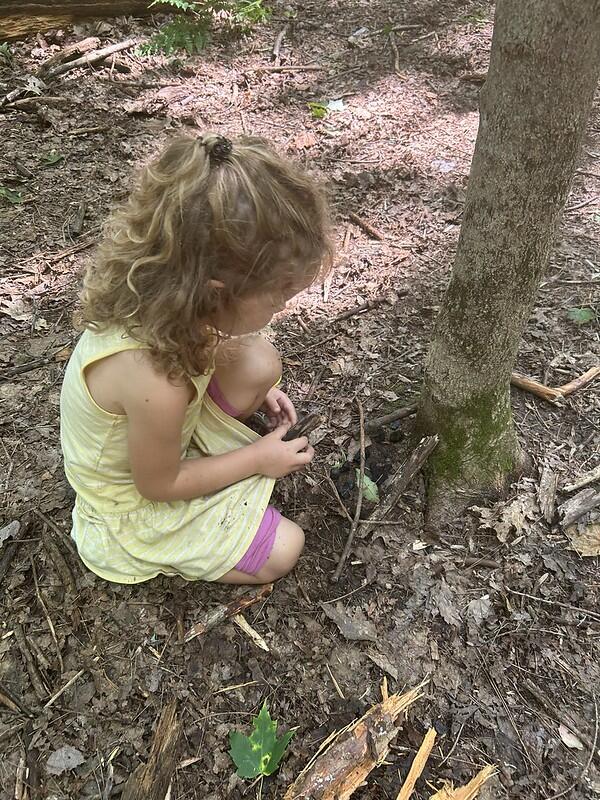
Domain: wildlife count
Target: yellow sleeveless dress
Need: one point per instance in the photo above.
(120, 535)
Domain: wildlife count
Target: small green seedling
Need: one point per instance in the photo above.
(9, 194)
(581, 316)
(261, 752)
(318, 110)
(52, 158)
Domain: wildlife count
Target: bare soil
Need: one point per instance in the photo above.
(395, 151)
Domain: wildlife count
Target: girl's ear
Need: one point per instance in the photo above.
(216, 284)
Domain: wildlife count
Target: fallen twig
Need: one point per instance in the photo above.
(67, 685)
(550, 394)
(89, 59)
(367, 228)
(584, 480)
(467, 792)
(287, 68)
(361, 489)
(587, 612)
(254, 637)
(393, 416)
(10, 550)
(396, 53)
(13, 703)
(223, 612)
(402, 480)
(35, 676)
(368, 306)
(69, 52)
(276, 51)
(47, 615)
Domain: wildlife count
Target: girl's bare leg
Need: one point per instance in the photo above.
(245, 377)
(289, 542)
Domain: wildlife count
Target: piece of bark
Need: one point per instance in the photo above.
(547, 492)
(222, 612)
(401, 481)
(10, 550)
(418, 765)
(38, 683)
(584, 480)
(69, 52)
(338, 771)
(393, 416)
(578, 505)
(151, 781)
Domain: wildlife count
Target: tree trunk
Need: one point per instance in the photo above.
(22, 17)
(533, 110)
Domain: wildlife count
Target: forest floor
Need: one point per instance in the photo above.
(500, 612)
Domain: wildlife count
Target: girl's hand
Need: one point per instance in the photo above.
(276, 458)
(279, 409)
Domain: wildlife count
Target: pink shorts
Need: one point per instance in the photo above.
(260, 548)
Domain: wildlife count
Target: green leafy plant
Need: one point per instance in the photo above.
(190, 30)
(261, 752)
(318, 110)
(580, 316)
(11, 195)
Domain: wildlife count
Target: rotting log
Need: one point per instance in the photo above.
(19, 19)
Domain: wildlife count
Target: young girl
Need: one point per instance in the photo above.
(215, 240)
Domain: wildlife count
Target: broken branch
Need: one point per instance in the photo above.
(589, 477)
(418, 765)
(550, 394)
(223, 612)
(361, 488)
(89, 59)
(402, 480)
(346, 759)
(578, 505)
(367, 228)
(393, 416)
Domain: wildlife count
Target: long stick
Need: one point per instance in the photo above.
(361, 488)
(90, 58)
(399, 413)
(550, 394)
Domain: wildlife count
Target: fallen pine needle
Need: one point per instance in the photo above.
(418, 765)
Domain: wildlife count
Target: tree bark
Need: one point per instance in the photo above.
(533, 109)
(22, 17)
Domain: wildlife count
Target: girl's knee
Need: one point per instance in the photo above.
(287, 548)
(260, 362)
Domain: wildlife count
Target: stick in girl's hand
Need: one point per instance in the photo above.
(304, 427)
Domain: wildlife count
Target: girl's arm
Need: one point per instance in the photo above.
(156, 410)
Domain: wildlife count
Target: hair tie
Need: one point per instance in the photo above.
(219, 149)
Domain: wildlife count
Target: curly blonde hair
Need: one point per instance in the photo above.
(247, 218)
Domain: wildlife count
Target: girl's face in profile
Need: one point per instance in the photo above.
(254, 312)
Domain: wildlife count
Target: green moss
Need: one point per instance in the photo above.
(477, 440)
